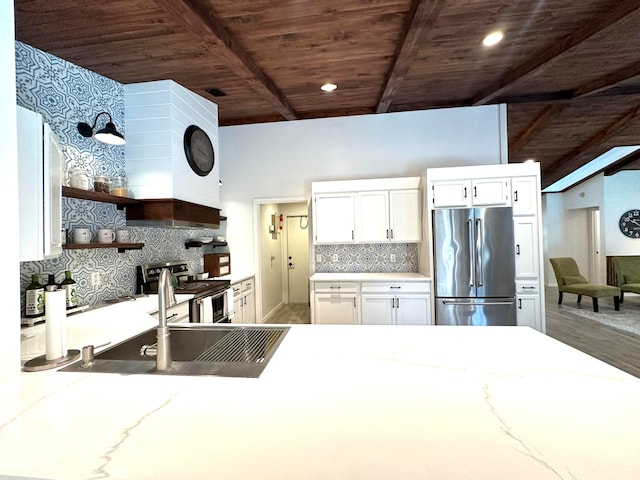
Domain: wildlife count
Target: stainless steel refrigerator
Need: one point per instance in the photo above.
(474, 266)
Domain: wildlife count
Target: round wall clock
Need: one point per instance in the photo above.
(630, 223)
(198, 150)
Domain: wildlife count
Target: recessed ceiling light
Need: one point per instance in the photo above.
(493, 38)
(328, 87)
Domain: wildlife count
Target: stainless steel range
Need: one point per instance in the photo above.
(212, 300)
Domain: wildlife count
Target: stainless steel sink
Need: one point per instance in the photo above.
(219, 350)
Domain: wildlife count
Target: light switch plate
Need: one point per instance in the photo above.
(318, 258)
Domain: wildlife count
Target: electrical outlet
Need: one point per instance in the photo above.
(334, 257)
(392, 258)
(318, 258)
(95, 279)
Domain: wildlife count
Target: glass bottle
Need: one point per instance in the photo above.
(70, 286)
(78, 178)
(34, 298)
(119, 186)
(101, 184)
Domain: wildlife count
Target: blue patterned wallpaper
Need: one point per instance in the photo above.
(365, 258)
(66, 94)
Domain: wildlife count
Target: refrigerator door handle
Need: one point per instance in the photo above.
(472, 260)
(456, 302)
(479, 252)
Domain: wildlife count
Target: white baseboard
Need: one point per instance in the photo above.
(272, 312)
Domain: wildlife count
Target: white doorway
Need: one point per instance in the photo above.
(281, 230)
(297, 259)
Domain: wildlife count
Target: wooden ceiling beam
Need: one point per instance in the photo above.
(422, 18)
(608, 81)
(571, 161)
(537, 125)
(204, 25)
(615, 14)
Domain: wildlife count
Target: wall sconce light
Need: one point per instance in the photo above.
(108, 134)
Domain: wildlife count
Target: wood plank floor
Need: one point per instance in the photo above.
(617, 348)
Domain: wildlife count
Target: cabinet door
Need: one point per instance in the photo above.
(372, 217)
(451, 193)
(404, 215)
(334, 218)
(528, 311)
(335, 309)
(377, 309)
(526, 246)
(524, 195)
(237, 307)
(249, 308)
(490, 192)
(412, 310)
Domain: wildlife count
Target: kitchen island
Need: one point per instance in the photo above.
(339, 401)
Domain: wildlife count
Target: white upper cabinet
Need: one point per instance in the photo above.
(334, 218)
(367, 211)
(471, 193)
(523, 193)
(404, 215)
(388, 216)
(373, 216)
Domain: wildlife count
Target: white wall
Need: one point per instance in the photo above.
(281, 159)
(9, 281)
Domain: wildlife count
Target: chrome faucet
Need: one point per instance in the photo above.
(166, 298)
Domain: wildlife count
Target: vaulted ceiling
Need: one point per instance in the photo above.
(568, 70)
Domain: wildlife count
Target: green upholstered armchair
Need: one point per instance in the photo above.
(571, 281)
(627, 271)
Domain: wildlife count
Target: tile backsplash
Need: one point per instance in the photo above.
(366, 258)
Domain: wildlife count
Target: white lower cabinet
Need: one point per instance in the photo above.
(372, 302)
(528, 304)
(397, 303)
(336, 303)
(395, 310)
(244, 303)
(336, 309)
(528, 311)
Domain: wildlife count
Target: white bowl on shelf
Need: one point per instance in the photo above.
(204, 239)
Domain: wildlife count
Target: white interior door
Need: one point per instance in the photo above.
(595, 270)
(297, 259)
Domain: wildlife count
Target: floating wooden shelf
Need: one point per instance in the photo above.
(120, 246)
(194, 243)
(120, 202)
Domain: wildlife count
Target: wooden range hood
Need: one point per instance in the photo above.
(169, 212)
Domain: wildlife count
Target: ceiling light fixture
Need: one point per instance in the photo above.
(328, 87)
(492, 39)
(107, 134)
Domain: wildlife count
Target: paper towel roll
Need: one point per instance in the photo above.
(56, 323)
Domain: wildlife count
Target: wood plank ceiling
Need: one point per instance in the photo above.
(569, 71)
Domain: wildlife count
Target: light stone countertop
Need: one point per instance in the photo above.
(339, 401)
(369, 277)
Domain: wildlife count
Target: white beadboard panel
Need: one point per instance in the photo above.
(148, 111)
(144, 99)
(148, 125)
(141, 152)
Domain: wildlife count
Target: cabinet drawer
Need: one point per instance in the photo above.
(336, 287)
(237, 290)
(396, 287)
(247, 285)
(527, 287)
